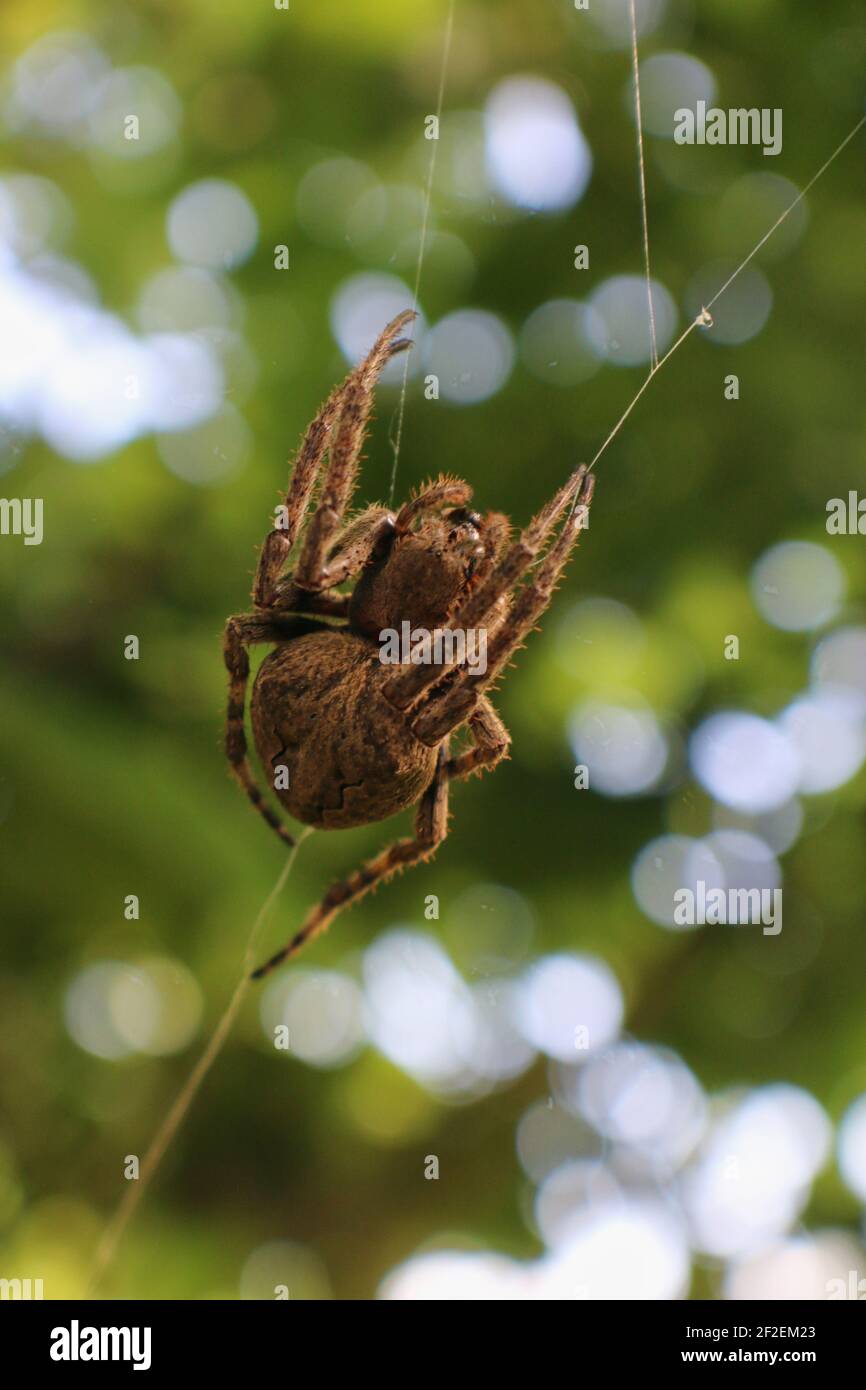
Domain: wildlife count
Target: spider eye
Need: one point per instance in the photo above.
(463, 516)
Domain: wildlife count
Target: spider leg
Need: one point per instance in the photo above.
(529, 546)
(374, 528)
(491, 741)
(241, 632)
(435, 494)
(412, 681)
(290, 600)
(431, 827)
(371, 532)
(279, 542)
(446, 709)
(481, 604)
(347, 439)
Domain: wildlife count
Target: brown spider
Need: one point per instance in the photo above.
(352, 740)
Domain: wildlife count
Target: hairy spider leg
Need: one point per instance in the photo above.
(348, 553)
(278, 544)
(353, 546)
(411, 682)
(491, 740)
(449, 708)
(346, 442)
(490, 745)
(433, 494)
(431, 827)
(242, 631)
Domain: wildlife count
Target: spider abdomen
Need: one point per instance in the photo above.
(322, 724)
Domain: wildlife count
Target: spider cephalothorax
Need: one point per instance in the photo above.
(420, 571)
(346, 736)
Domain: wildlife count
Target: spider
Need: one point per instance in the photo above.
(351, 740)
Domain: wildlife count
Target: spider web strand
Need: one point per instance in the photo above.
(703, 319)
(176, 1114)
(790, 208)
(397, 440)
(654, 356)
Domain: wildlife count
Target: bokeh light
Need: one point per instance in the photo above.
(361, 307)
(666, 865)
(668, 82)
(456, 1276)
(620, 329)
(556, 343)
(87, 1009)
(549, 1136)
(140, 93)
(34, 215)
(779, 829)
(156, 1006)
(421, 1014)
(471, 352)
(623, 748)
(643, 1098)
(746, 861)
(828, 731)
(212, 223)
(745, 761)
(852, 1147)
(743, 309)
(625, 1248)
(113, 1010)
(491, 928)
(569, 1006)
(284, 1270)
(755, 202)
(804, 1267)
(327, 197)
(56, 83)
(78, 376)
(323, 1013)
(565, 1194)
(499, 1052)
(209, 452)
(839, 663)
(613, 20)
(184, 299)
(797, 585)
(537, 154)
(754, 1172)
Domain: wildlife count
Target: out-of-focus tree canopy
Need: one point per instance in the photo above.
(617, 1106)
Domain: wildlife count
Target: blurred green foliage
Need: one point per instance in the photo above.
(113, 779)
